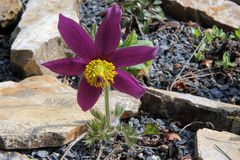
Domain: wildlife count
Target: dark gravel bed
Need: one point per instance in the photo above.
(92, 12)
(168, 145)
(176, 45)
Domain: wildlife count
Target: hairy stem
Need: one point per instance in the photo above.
(106, 98)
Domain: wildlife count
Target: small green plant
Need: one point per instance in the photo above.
(132, 40)
(139, 14)
(196, 32)
(199, 55)
(151, 129)
(101, 130)
(218, 32)
(226, 63)
(215, 33)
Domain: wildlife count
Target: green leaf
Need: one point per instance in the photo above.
(196, 32)
(199, 56)
(131, 39)
(98, 130)
(209, 37)
(226, 57)
(135, 69)
(226, 63)
(143, 43)
(97, 114)
(237, 34)
(217, 32)
(128, 134)
(119, 110)
(151, 129)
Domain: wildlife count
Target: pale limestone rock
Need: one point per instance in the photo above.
(38, 39)
(223, 13)
(9, 12)
(188, 108)
(13, 156)
(40, 111)
(211, 145)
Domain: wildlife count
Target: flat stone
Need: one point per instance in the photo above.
(10, 10)
(223, 13)
(213, 145)
(37, 37)
(188, 108)
(40, 112)
(13, 156)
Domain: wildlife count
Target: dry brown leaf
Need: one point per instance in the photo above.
(187, 157)
(207, 63)
(177, 65)
(173, 137)
(180, 85)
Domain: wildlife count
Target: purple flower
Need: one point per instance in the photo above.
(100, 61)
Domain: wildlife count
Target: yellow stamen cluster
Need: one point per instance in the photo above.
(99, 73)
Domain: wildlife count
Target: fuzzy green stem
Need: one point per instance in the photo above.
(106, 98)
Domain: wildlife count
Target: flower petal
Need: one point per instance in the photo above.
(127, 84)
(66, 66)
(132, 55)
(109, 32)
(76, 38)
(87, 95)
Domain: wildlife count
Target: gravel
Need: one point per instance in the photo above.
(176, 45)
(151, 147)
(92, 12)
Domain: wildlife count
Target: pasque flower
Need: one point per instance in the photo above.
(99, 62)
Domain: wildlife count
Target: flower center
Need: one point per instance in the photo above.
(99, 73)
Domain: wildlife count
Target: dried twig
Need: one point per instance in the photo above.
(195, 72)
(114, 150)
(72, 144)
(196, 122)
(48, 158)
(179, 74)
(195, 76)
